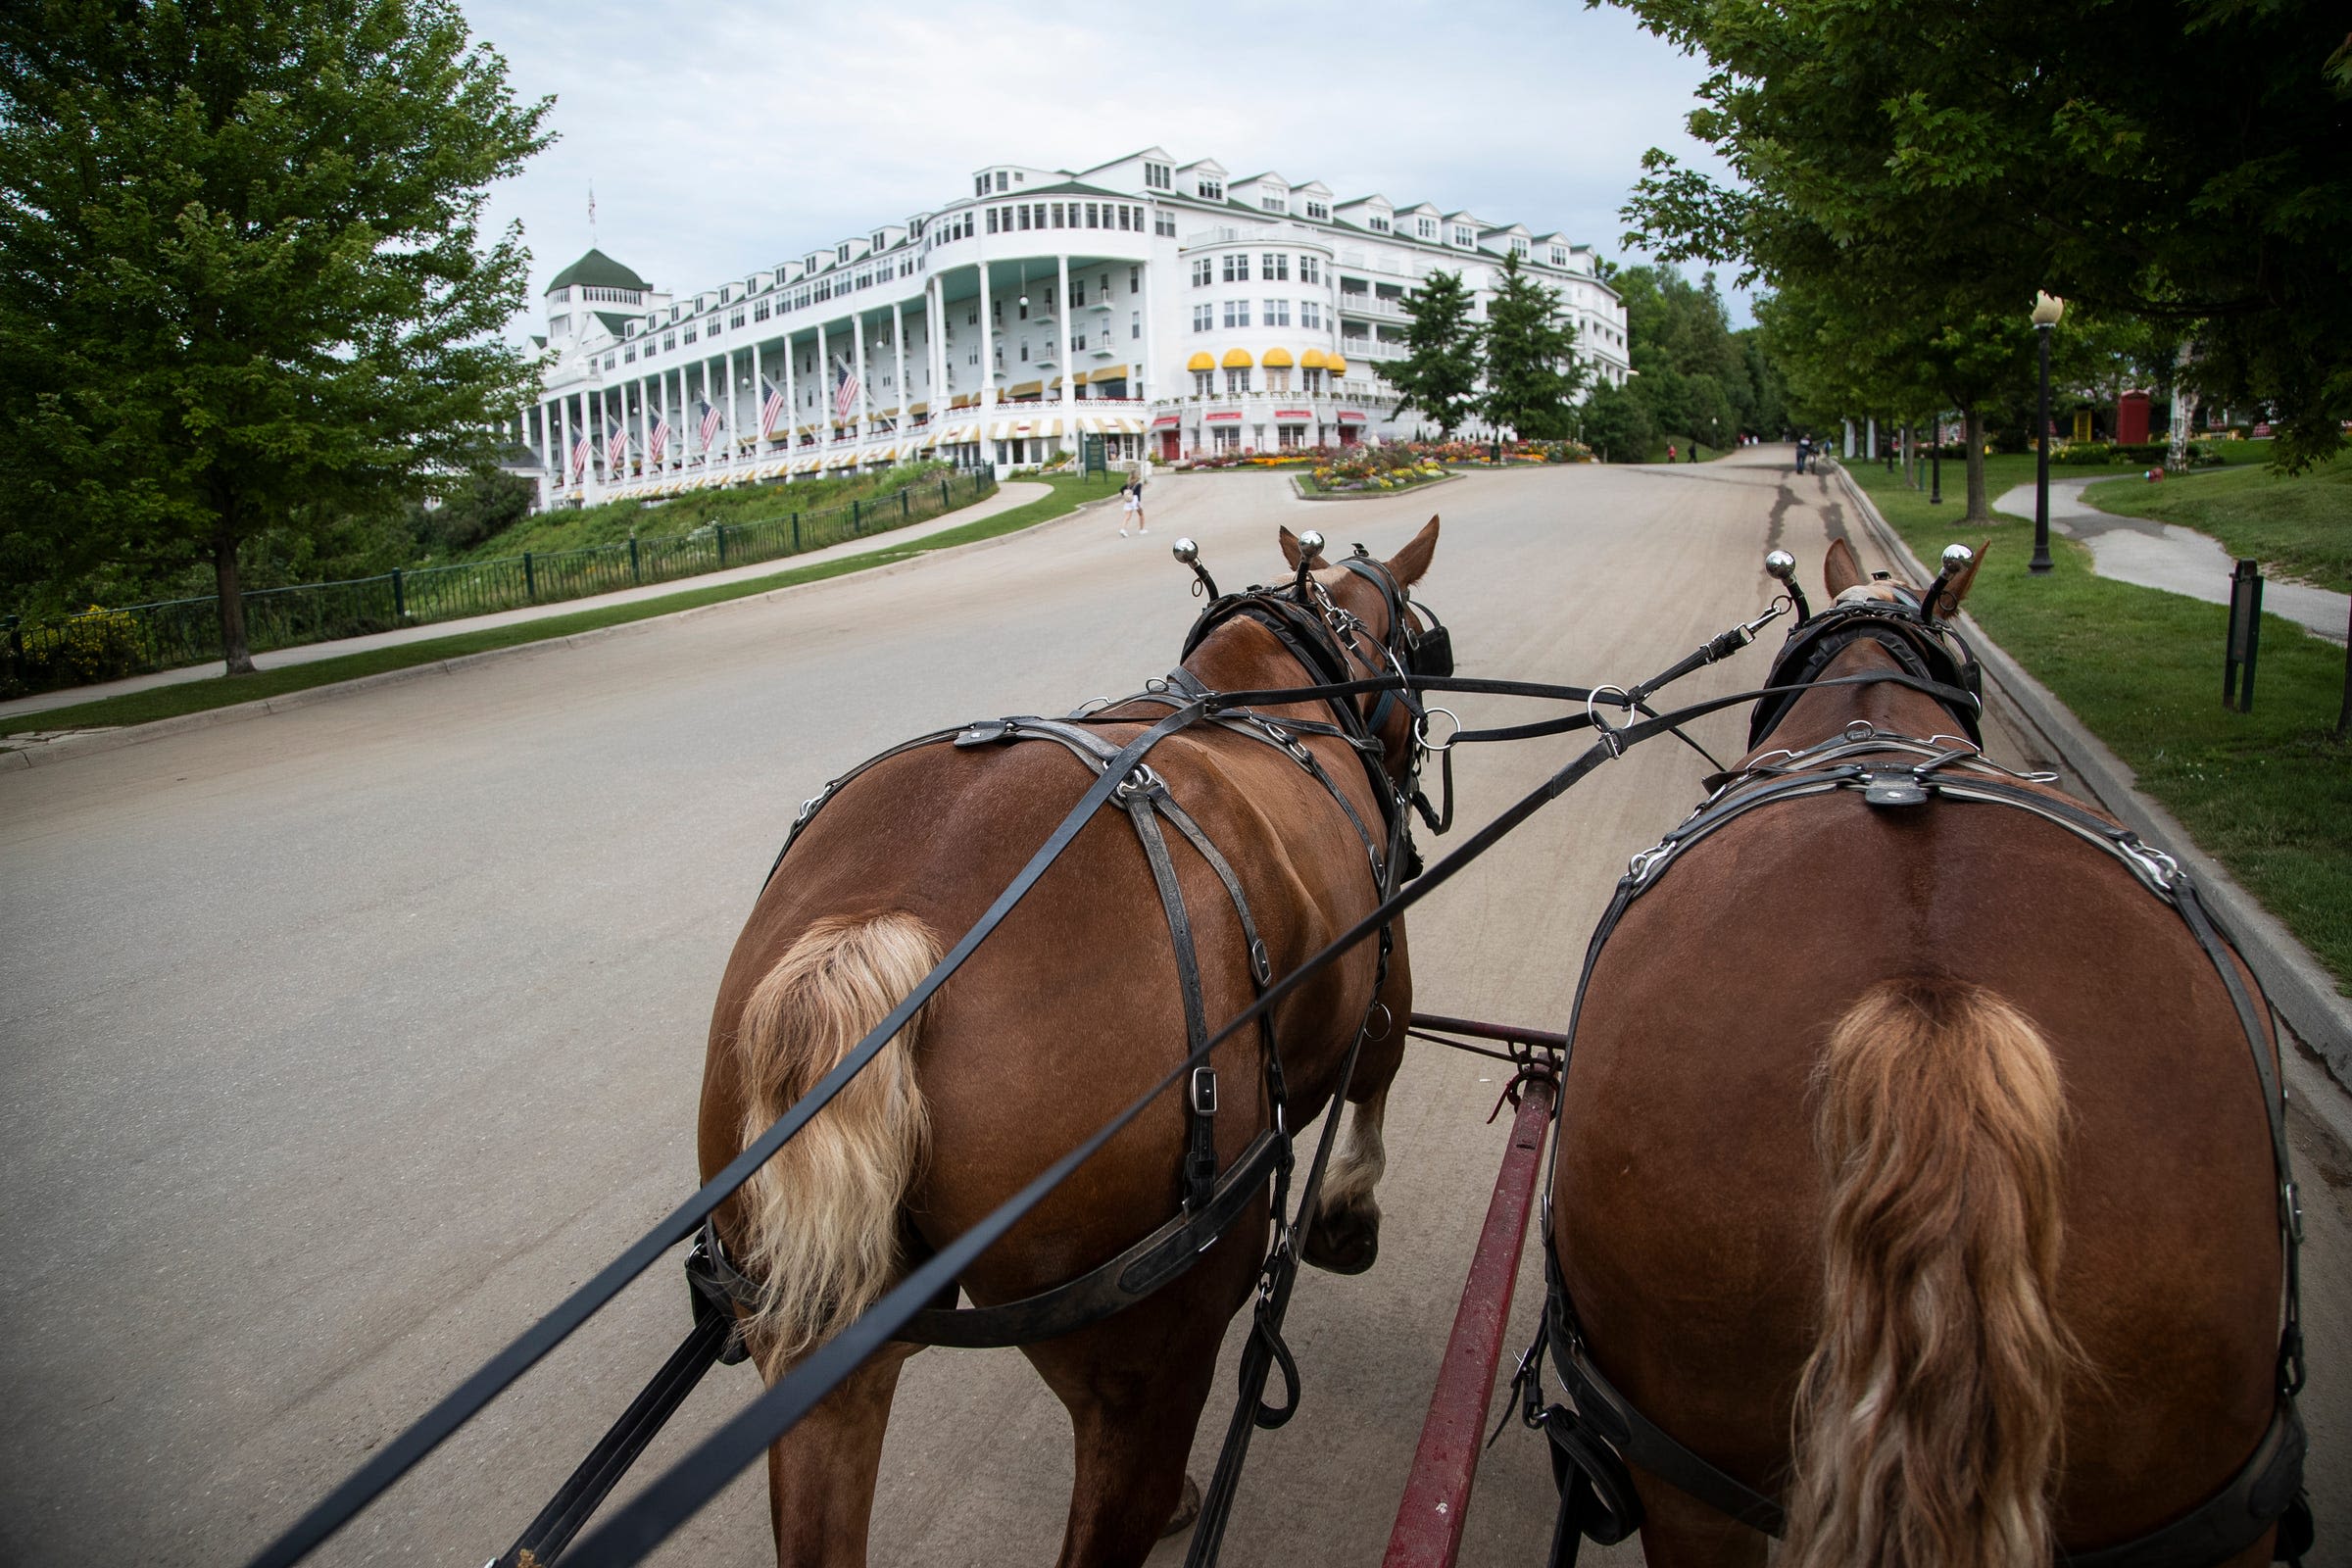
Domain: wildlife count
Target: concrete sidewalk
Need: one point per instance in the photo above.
(2167, 556)
(1017, 494)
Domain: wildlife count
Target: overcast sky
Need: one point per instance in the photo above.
(724, 138)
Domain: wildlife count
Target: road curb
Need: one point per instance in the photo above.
(98, 742)
(2299, 986)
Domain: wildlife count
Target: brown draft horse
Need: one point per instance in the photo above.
(1913, 1172)
(1064, 1014)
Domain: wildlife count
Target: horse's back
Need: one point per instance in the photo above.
(1692, 1187)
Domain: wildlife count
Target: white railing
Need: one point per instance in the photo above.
(1371, 304)
(1367, 347)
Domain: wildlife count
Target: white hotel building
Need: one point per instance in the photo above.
(1164, 305)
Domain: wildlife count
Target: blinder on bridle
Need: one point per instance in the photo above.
(1923, 645)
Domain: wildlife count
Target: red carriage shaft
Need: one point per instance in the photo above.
(1437, 1495)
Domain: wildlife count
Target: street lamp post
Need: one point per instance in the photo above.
(2047, 308)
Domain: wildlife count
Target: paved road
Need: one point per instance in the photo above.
(338, 1043)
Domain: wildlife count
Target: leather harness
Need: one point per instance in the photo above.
(1595, 1441)
(1320, 637)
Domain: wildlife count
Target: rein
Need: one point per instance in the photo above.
(655, 1512)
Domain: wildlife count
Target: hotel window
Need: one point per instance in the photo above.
(1310, 314)
(1024, 351)
(1092, 216)
(1310, 270)
(991, 219)
(1518, 247)
(1274, 266)
(1078, 291)
(1078, 341)
(1237, 381)
(1135, 323)
(670, 340)
(1023, 210)
(1559, 256)
(1285, 436)
(1312, 380)
(1319, 211)
(1205, 317)
(1278, 380)
(995, 312)
(841, 252)
(607, 361)
(1000, 186)
(1163, 225)
(1126, 218)
(689, 334)
(1237, 269)
(1203, 271)
(1228, 438)
(1204, 383)
(1211, 190)
(1039, 209)
(761, 309)
(1058, 215)
(629, 354)
(1158, 177)
(1105, 289)
(1278, 313)
(1378, 226)
(735, 318)
(1236, 313)
(1464, 237)
(1274, 204)
(1135, 280)
(1426, 227)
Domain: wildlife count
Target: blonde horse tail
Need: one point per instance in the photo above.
(822, 1219)
(1928, 1417)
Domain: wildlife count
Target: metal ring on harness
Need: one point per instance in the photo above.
(1421, 730)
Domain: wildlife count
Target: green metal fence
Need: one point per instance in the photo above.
(103, 644)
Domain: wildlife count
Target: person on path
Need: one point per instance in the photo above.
(1804, 450)
(1137, 473)
(1670, 452)
(1130, 508)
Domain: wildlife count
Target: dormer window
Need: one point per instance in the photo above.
(1274, 204)
(1559, 256)
(1158, 176)
(841, 252)
(1319, 211)
(1518, 247)
(1211, 190)
(1378, 226)
(1003, 183)
(1426, 227)
(1466, 238)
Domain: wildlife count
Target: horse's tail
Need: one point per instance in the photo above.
(1928, 1417)
(822, 1219)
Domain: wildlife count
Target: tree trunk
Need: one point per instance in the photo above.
(1978, 510)
(233, 651)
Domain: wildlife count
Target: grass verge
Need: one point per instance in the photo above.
(195, 697)
(2268, 794)
(2298, 528)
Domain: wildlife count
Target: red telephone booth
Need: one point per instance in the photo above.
(2132, 419)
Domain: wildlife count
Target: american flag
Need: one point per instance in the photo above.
(579, 457)
(711, 419)
(845, 388)
(616, 444)
(657, 439)
(771, 409)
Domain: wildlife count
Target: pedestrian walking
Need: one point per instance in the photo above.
(1805, 452)
(1137, 473)
(1670, 452)
(1130, 508)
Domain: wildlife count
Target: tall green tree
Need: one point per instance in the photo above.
(1439, 375)
(1533, 373)
(247, 288)
(2189, 172)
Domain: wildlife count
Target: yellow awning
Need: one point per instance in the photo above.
(928, 443)
(1026, 389)
(885, 455)
(1337, 365)
(1277, 360)
(918, 409)
(1238, 360)
(1080, 377)
(1201, 362)
(1312, 360)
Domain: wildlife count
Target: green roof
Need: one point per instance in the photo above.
(596, 269)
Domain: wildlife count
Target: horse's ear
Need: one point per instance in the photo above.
(1290, 549)
(1957, 589)
(1413, 560)
(1839, 571)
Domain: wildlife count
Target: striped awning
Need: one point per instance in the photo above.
(1016, 429)
(882, 455)
(1110, 424)
(928, 443)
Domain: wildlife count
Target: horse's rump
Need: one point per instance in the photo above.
(1692, 1195)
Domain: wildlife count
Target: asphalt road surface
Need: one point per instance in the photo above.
(339, 1044)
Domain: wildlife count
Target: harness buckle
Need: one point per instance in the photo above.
(1142, 781)
(1893, 789)
(1202, 1096)
(1260, 965)
(2290, 1212)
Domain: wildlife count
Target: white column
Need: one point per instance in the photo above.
(759, 405)
(897, 339)
(563, 440)
(824, 388)
(988, 352)
(1142, 357)
(1070, 370)
(791, 406)
(865, 379)
(935, 301)
(645, 428)
(681, 426)
(548, 473)
(1870, 450)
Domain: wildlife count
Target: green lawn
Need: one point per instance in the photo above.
(2269, 794)
(193, 697)
(2299, 527)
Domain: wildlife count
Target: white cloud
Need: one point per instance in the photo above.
(724, 137)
